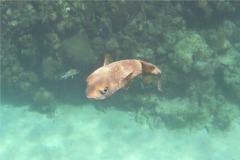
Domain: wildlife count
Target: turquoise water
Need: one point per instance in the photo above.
(85, 133)
(49, 48)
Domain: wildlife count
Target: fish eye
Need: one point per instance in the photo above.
(104, 91)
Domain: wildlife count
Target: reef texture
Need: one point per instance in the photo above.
(196, 45)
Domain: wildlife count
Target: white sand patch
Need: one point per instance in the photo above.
(84, 133)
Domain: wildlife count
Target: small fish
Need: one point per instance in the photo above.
(70, 73)
(107, 79)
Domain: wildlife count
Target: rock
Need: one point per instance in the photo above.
(78, 49)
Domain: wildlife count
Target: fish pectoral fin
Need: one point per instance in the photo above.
(149, 68)
(127, 80)
(107, 59)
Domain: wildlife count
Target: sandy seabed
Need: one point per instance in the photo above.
(84, 133)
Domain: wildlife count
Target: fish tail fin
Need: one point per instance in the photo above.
(159, 84)
(150, 68)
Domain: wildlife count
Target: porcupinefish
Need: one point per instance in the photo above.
(70, 73)
(111, 77)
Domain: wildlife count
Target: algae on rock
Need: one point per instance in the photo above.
(78, 49)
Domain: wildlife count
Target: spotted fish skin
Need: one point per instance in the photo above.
(111, 77)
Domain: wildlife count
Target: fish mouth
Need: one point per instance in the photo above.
(97, 98)
(90, 97)
(93, 95)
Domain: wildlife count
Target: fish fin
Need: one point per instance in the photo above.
(159, 84)
(149, 68)
(148, 78)
(127, 80)
(107, 59)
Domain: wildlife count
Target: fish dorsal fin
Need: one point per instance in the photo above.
(127, 80)
(107, 59)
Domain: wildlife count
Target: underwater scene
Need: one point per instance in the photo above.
(120, 80)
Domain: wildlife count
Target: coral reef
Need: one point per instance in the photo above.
(192, 53)
(44, 101)
(198, 55)
(78, 49)
(42, 96)
(50, 68)
(232, 80)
